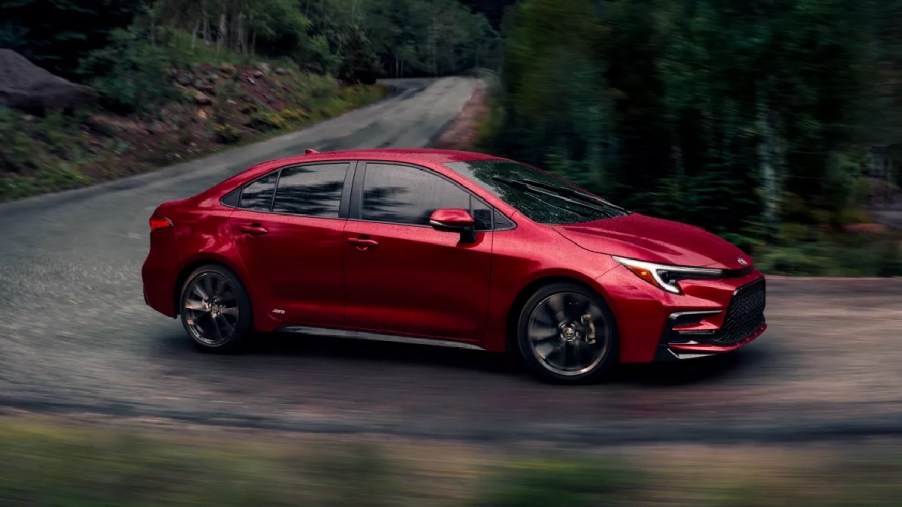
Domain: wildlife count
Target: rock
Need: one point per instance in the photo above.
(202, 115)
(263, 67)
(26, 86)
(281, 71)
(230, 102)
(212, 78)
(154, 127)
(184, 79)
(258, 74)
(202, 99)
(227, 67)
(204, 87)
(251, 81)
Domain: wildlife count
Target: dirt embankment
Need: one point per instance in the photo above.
(210, 106)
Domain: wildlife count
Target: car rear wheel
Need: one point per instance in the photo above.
(215, 309)
(567, 333)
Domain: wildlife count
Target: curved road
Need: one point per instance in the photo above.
(76, 337)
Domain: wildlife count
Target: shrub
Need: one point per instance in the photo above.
(226, 134)
(267, 120)
(131, 74)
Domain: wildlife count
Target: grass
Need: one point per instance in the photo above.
(49, 462)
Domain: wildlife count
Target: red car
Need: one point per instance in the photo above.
(451, 248)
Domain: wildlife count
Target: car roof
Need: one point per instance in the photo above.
(409, 155)
(418, 156)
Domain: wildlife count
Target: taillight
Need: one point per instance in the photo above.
(158, 222)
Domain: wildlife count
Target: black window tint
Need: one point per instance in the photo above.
(482, 213)
(311, 190)
(502, 222)
(231, 199)
(258, 195)
(402, 194)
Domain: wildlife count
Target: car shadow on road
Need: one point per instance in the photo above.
(692, 371)
(344, 350)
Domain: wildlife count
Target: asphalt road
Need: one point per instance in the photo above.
(76, 337)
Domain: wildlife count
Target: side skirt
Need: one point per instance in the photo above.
(365, 335)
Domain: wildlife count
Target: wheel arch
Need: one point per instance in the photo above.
(197, 262)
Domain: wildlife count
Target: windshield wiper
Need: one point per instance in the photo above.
(552, 191)
(574, 193)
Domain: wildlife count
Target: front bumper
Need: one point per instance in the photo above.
(649, 323)
(687, 334)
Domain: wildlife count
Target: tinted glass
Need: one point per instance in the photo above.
(538, 195)
(482, 213)
(402, 194)
(311, 190)
(231, 199)
(258, 195)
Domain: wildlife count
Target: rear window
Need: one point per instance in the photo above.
(258, 195)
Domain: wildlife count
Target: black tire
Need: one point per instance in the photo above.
(215, 309)
(567, 334)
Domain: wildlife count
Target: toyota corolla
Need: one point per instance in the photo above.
(449, 248)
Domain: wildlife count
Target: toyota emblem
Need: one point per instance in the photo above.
(743, 261)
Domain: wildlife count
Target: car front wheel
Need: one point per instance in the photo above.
(566, 333)
(215, 309)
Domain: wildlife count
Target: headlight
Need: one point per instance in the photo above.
(666, 277)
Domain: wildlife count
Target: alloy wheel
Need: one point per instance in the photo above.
(568, 333)
(211, 309)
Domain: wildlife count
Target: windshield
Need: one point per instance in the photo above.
(540, 196)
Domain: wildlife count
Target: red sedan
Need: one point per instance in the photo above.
(450, 248)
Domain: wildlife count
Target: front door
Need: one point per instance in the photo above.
(291, 244)
(402, 276)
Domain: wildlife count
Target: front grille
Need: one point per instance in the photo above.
(745, 315)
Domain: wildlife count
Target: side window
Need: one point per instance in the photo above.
(258, 194)
(311, 190)
(482, 213)
(406, 195)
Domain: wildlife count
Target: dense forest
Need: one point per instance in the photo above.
(356, 39)
(752, 119)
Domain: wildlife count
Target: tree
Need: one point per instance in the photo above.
(55, 34)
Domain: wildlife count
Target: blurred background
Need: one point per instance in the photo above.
(772, 123)
(776, 124)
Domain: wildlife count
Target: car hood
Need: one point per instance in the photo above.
(655, 240)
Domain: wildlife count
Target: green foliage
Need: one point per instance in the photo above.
(679, 108)
(55, 34)
(131, 73)
(808, 252)
(75, 467)
(226, 134)
(578, 483)
(359, 63)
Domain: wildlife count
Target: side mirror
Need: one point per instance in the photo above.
(455, 220)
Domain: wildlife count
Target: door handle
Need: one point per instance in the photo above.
(363, 243)
(254, 230)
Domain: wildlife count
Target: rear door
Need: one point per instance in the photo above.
(288, 229)
(403, 277)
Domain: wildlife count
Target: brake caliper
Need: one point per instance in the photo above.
(589, 326)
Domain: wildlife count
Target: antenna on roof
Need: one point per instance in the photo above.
(309, 151)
